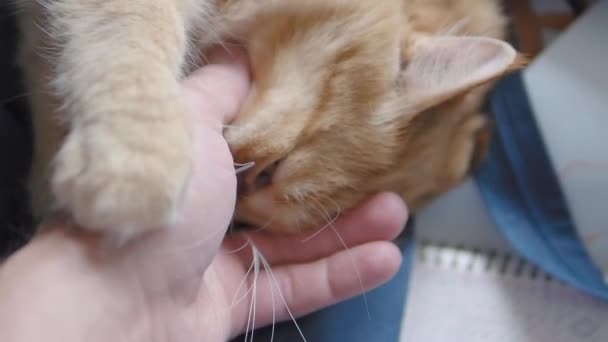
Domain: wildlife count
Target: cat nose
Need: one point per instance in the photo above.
(255, 179)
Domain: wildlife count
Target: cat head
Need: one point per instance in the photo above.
(344, 104)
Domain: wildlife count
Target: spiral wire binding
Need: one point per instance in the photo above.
(473, 260)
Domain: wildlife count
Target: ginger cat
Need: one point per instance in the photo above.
(349, 98)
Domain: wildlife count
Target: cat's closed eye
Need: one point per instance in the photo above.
(254, 180)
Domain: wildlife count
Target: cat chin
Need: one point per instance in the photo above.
(262, 212)
(248, 219)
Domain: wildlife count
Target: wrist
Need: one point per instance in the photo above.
(60, 287)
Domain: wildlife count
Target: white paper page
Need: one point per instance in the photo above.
(460, 296)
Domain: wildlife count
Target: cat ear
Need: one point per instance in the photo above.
(439, 68)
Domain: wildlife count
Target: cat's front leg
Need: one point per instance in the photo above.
(126, 160)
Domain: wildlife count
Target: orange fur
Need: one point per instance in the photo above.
(335, 152)
(349, 98)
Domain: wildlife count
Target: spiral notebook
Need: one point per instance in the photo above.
(458, 295)
(467, 285)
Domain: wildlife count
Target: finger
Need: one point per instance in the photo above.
(216, 91)
(305, 288)
(383, 217)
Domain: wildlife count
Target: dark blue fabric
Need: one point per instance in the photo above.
(521, 191)
(349, 321)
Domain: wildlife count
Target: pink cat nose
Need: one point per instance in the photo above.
(255, 179)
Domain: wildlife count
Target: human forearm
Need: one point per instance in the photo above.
(55, 289)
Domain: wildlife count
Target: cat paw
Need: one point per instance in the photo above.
(113, 188)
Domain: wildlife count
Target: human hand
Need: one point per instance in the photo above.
(183, 283)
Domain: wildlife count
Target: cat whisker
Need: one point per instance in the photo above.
(233, 42)
(298, 224)
(323, 211)
(236, 300)
(222, 43)
(233, 38)
(457, 28)
(13, 98)
(331, 225)
(318, 232)
(232, 127)
(17, 97)
(355, 268)
(231, 226)
(239, 168)
(257, 260)
(42, 28)
(317, 206)
(274, 283)
(192, 60)
(268, 270)
(239, 249)
(329, 199)
(334, 203)
(252, 304)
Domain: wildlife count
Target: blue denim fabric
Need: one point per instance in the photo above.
(521, 190)
(349, 321)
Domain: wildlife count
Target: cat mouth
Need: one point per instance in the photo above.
(241, 225)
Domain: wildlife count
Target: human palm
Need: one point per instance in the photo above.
(258, 278)
(190, 282)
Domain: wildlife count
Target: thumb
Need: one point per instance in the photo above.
(216, 91)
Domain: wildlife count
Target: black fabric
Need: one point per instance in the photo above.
(15, 141)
